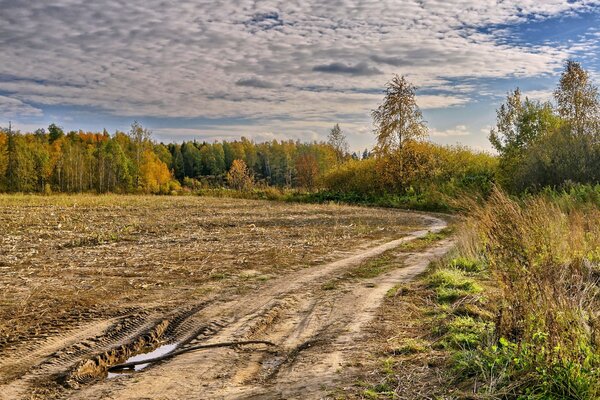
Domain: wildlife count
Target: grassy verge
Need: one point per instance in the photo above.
(514, 314)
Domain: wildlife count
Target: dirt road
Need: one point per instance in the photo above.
(315, 316)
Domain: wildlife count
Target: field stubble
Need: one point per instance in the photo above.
(66, 259)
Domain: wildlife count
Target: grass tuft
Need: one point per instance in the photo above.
(451, 285)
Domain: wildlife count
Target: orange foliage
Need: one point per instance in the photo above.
(307, 169)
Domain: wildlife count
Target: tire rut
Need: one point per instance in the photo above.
(286, 310)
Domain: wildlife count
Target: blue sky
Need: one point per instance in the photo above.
(282, 69)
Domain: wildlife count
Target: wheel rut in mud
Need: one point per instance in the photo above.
(314, 329)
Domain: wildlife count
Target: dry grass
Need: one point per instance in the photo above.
(545, 260)
(64, 259)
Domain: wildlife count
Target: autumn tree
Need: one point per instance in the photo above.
(398, 118)
(139, 137)
(154, 174)
(307, 170)
(577, 100)
(239, 177)
(337, 140)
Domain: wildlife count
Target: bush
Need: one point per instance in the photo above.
(421, 176)
(465, 332)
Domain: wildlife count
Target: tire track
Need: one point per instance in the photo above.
(289, 311)
(285, 309)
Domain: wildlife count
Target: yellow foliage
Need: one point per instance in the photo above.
(414, 162)
(154, 174)
(417, 166)
(239, 177)
(356, 176)
(3, 153)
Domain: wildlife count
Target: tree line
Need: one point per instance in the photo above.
(50, 160)
(539, 144)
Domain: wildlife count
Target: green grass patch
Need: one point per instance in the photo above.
(467, 265)
(466, 332)
(451, 285)
(331, 285)
(411, 346)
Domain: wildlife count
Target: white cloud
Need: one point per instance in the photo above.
(459, 130)
(440, 101)
(542, 95)
(486, 129)
(10, 107)
(257, 59)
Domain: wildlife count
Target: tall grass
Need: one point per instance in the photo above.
(544, 254)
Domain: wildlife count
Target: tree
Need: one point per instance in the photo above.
(3, 157)
(12, 164)
(164, 154)
(20, 171)
(192, 160)
(398, 118)
(207, 160)
(307, 170)
(337, 140)
(239, 177)
(219, 157)
(119, 177)
(178, 164)
(577, 100)
(55, 132)
(154, 174)
(519, 125)
(139, 137)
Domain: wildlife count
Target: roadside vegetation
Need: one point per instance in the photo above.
(514, 313)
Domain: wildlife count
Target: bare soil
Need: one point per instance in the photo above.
(87, 282)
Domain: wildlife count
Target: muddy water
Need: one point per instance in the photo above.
(159, 351)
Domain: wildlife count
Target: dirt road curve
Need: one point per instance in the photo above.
(316, 328)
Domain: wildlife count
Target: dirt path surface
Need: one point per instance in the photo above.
(315, 316)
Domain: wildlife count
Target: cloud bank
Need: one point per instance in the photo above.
(260, 59)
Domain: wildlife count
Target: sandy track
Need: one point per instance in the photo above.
(315, 330)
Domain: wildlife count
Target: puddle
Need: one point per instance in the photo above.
(159, 351)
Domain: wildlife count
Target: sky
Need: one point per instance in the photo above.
(214, 70)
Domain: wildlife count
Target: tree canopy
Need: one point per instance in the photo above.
(398, 118)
